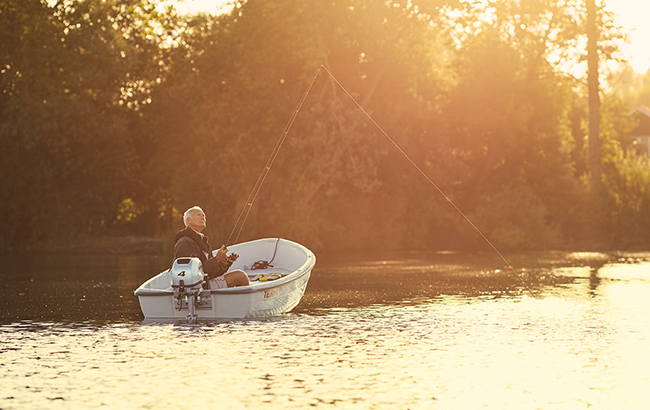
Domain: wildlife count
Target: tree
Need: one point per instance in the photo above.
(240, 86)
(507, 120)
(74, 74)
(186, 110)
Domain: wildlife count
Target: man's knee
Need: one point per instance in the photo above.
(237, 278)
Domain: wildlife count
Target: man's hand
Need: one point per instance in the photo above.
(222, 255)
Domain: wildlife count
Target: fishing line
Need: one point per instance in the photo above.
(433, 184)
(269, 163)
(243, 216)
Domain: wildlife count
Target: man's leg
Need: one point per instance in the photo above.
(236, 278)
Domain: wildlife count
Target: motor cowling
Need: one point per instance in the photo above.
(187, 273)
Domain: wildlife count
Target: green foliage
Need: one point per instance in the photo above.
(121, 116)
(517, 219)
(632, 88)
(627, 183)
(73, 72)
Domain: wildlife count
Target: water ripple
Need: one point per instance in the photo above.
(574, 344)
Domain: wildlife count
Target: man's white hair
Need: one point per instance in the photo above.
(188, 213)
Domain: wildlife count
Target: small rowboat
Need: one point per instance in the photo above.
(277, 268)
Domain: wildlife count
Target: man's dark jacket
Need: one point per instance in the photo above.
(188, 242)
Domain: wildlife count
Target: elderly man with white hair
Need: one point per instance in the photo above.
(191, 242)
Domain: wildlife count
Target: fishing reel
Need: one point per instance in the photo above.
(232, 257)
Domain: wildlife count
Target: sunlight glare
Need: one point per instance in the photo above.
(632, 15)
(201, 6)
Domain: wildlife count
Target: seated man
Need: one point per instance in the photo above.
(191, 242)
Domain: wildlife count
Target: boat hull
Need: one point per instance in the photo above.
(260, 299)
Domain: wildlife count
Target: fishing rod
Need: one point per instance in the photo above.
(253, 195)
(243, 215)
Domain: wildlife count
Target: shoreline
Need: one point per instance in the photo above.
(161, 245)
(112, 245)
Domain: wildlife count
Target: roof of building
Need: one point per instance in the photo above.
(643, 115)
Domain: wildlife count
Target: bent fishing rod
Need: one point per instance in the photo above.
(243, 216)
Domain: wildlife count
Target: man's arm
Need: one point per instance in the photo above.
(213, 267)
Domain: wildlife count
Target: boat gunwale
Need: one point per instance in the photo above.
(293, 276)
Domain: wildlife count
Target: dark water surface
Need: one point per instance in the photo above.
(396, 331)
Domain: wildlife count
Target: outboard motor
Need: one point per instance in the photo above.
(187, 283)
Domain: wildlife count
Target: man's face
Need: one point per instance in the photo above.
(197, 220)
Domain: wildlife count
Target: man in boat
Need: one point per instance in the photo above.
(191, 242)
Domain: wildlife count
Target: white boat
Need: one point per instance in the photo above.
(277, 268)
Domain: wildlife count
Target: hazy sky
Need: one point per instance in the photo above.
(633, 15)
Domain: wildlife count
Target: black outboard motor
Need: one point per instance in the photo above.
(187, 283)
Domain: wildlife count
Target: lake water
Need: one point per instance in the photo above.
(399, 331)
